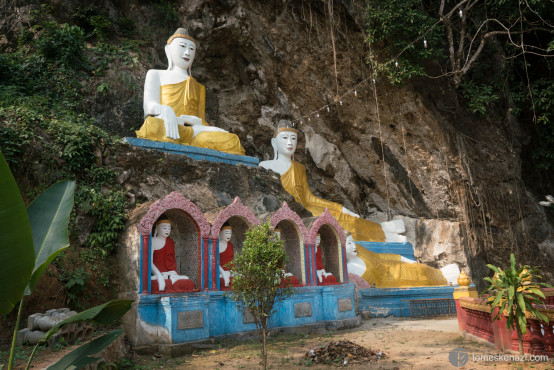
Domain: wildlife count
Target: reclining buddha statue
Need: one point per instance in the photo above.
(174, 103)
(295, 182)
(384, 270)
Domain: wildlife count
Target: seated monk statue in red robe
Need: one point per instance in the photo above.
(323, 277)
(165, 278)
(226, 255)
(289, 279)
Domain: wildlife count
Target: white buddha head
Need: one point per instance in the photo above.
(317, 240)
(225, 233)
(284, 140)
(350, 247)
(163, 228)
(180, 50)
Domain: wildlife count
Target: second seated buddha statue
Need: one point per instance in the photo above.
(295, 182)
(174, 103)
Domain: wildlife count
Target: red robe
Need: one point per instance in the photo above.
(224, 258)
(327, 280)
(164, 260)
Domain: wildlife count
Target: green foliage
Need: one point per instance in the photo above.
(102, 26)
(400, 26)
(49, 216)
(258, 273)
(63, 44)
(75, 286)
(108, 208)
(16, 241)
(479, 97)
(514, 292)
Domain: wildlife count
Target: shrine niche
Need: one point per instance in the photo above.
(326, 239)
(293, 233)
(188, 228)
(238, 218)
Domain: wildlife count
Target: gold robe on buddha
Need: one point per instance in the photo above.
(189, 98)
(387, 271)
(295, 183)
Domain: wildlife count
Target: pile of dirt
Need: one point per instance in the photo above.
(343, 353)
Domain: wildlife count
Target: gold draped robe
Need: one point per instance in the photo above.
(188, 97)
(295, 183)
(387, 271)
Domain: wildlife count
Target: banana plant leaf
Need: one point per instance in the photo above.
(81, 356)
(16, 242)
(49, 217)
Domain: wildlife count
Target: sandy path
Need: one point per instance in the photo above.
(407, 343)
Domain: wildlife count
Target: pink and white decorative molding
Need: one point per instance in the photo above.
(285, 213)
(325, 218)
(174, 201)
(234, 209)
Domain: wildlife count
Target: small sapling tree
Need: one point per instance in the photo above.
(514, 292)
(258, 273)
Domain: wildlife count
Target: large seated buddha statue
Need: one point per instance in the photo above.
(174, 103)
(384, 270)
(295, 182)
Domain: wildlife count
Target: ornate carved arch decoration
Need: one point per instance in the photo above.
(326, 218)
(285, 213)
(175, 200)
(234, 209)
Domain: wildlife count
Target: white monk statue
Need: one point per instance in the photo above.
(289, 279)
(226, 255)
(385, 270)
(295, 182)
(174, 102)
(323, 277)
(165, 278)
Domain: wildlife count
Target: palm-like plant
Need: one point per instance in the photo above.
(514, 292)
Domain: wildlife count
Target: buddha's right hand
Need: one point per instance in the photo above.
(170, 122)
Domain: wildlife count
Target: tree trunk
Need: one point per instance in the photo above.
(264, 350)
(519, 339)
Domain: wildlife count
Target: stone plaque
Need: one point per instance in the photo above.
(345, 304)
(190, 320)
(303, 309)
(247, 318)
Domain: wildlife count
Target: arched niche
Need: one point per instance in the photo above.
(293, 234)
(240, 218)
(189, 227)
(333, 242)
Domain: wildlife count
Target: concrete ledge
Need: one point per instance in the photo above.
(404, 249)
(193, 152)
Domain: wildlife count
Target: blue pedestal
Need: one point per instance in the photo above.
(396, 301)
(194, 152)
(190, 317)
(404, 249)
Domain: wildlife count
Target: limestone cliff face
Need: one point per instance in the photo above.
(390, 151)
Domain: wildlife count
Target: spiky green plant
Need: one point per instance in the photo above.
(514, 292)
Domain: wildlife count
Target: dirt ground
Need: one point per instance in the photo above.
(406, 343)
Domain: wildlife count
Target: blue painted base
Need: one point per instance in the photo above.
(403, 249)
(190, 317)
(395, 301)
(194, 152)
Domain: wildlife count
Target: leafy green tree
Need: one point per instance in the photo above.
(513, 292)
(257, 278)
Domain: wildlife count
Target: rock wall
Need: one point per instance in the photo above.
(388, 151)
